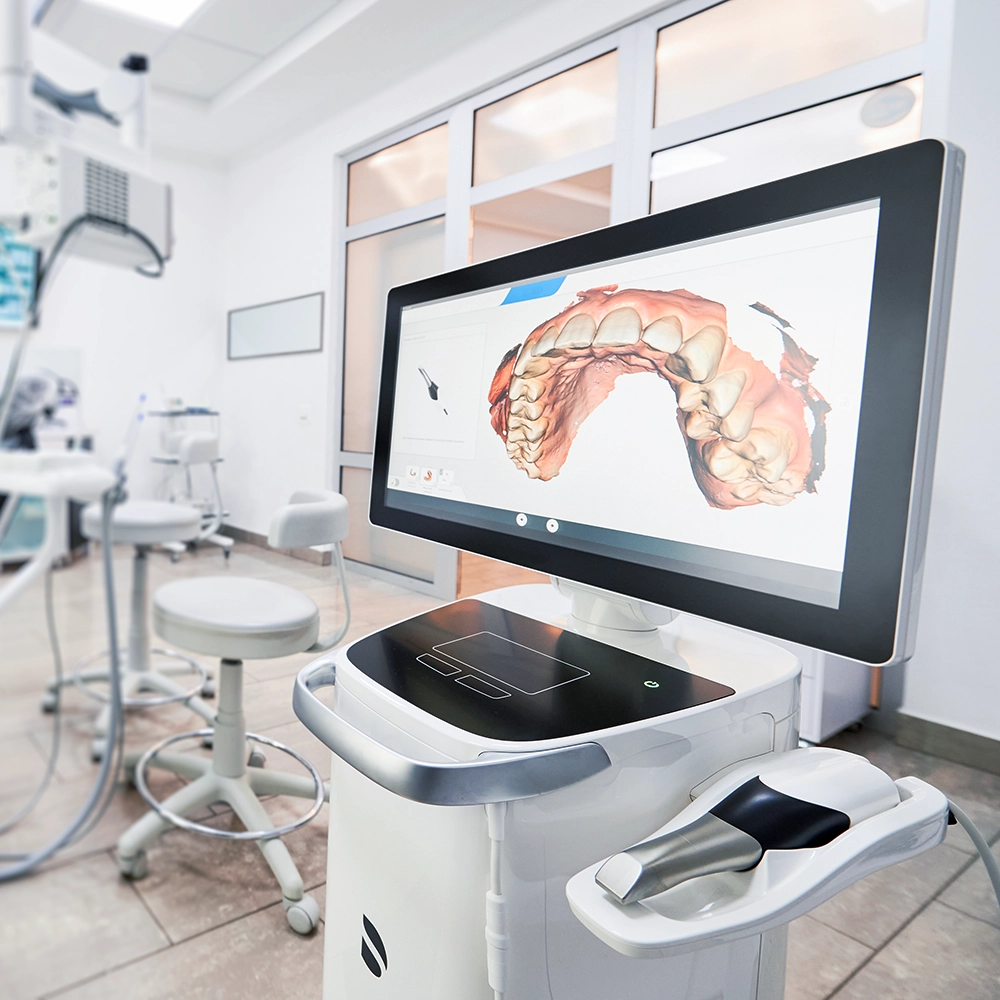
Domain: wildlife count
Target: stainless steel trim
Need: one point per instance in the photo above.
(704, 847)
(504, 779)
(149, 757)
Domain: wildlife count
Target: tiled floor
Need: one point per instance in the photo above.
(206, 923)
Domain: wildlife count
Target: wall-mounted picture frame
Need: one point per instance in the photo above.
(286, 326)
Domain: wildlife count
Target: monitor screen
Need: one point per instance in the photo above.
(680, 415)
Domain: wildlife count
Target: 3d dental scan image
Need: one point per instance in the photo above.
(744, 425)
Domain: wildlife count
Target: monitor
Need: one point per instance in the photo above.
(728, 409)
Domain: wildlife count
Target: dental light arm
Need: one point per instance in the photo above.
(315, 517)
(796, 801)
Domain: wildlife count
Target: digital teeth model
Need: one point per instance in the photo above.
(744, 426)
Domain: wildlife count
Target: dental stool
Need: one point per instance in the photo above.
(239, 618)
(142, 523)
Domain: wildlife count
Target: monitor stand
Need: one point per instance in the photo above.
(595, 611)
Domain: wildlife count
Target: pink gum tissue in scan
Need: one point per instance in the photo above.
(744, 426)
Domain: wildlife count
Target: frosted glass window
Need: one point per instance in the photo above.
(400, 176)
(852, 126)
(540, 215)
(376, 546)
(374, 265)
(566, 114)
(742, 48)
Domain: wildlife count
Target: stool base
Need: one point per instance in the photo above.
(225, 778)
(156, 681)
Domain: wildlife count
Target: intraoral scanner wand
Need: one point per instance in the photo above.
(432, 389)
(796, 800)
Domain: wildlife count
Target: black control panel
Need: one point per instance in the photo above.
(502, 676)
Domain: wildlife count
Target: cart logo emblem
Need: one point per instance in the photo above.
(370, 938)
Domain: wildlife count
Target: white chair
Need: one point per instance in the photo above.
(201, 448)
(237, 618)
(142, 523)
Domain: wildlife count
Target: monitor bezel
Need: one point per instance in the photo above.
(916, 186)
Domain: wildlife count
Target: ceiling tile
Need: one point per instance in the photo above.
(196, 68)
(104, 35)
(258, 26)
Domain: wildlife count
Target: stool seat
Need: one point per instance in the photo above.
(145, 522)
(235, 617)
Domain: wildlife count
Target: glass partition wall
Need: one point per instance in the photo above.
(702, 98)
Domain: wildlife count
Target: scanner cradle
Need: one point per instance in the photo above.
(726, 906)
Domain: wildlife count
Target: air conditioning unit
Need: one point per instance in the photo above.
(44, 188)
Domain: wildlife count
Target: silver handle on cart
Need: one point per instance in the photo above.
(514, 776)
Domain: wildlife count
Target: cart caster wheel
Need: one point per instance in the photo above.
(49, 702)
(256, 759)
(175, 557)
(302, 914)
(134, 868)
(208, 689)
(225, 554)
(98, 748)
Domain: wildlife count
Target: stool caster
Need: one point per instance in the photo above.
(135, 867)
(49, 701)
(98, 748)
(302, 914)
(256, 759)
(208, 689)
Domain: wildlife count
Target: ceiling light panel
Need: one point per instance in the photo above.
(171, 13)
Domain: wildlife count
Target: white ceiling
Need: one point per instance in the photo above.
(223, 41)
(240, 71)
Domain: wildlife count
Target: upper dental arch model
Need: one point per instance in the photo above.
(744, 426)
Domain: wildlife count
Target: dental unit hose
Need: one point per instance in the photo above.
(18, 864)
(992, 868)
(96, 803)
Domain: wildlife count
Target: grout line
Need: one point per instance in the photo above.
(159, 951)
(902, 927)
(971, 916)
(142, 900)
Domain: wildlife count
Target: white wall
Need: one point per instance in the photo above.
(133, 334)
(277, 410)
(954, 677)
(280, 242)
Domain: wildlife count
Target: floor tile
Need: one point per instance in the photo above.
(319, 894)
(872, 910)
(62, 803)
(258, 958)
(819, 959)
(973, 892)
(24, 766)
(942, 955)
(267, 704)
(986, 819)
(296, 736)
(196, 883)
(67, 924)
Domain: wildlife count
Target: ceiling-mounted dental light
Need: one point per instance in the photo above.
(169, 13)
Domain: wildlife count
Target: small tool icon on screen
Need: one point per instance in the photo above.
(432, 389)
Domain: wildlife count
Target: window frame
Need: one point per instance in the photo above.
(629, 155)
